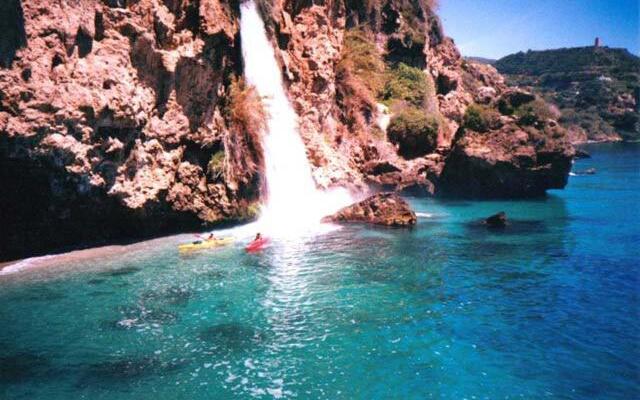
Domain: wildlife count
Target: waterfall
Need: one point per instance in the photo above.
(293, 201)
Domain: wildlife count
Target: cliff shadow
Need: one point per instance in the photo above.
(196, 86)
(150, 69)
(13, 35)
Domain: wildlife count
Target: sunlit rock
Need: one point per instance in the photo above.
(381, 209)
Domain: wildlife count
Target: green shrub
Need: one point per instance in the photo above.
(415, 132)
(534, 113)
(480, 118)
(216, 164)
(405, 83)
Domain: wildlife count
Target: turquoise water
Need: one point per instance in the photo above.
(547, 308)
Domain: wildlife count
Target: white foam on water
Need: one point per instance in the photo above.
(423, 215)
(294, 204)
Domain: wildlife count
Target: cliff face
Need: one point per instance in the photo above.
(110, 113)
(119, 118)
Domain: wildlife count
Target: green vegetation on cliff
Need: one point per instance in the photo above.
(479, 118)
(596, 88)
(405, 83)
(415, 132)
(215, 166)
(362, 61)
(364, 77)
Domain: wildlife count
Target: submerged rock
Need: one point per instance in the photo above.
(498, 220)
(387, 209)
(588, 171)
(582, 154)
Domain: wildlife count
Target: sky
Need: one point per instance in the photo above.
(496, 28)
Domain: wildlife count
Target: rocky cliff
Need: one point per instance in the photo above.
(128, 118)
(114, 121)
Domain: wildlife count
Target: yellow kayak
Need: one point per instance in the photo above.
(206, 244)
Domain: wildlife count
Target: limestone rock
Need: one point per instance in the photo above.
(387, 209)
(510, 162)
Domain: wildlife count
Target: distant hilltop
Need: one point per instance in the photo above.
(596, 88)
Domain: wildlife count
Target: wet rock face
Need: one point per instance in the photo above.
(386, 209)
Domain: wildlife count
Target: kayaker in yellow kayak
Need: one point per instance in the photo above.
(206, 242)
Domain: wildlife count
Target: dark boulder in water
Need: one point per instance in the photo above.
(581, 154)
(387, 209)
(498, 220)
(524, 157)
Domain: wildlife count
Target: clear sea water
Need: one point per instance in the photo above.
(547, 308)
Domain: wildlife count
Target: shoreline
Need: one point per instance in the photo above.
(604, 141)
(10, 268)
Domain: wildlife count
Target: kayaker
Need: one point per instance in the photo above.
(211, 237)
(258, 237)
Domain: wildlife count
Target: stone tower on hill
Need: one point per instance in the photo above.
(597, 42)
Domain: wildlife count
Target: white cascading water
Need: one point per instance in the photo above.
(293, 202)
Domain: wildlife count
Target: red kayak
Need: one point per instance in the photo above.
(257, 245)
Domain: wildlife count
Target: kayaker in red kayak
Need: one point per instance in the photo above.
(258, 243)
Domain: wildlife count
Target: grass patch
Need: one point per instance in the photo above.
(245, 110)
(359, 78)
(407, 84)
(362, 62)
(480, 118)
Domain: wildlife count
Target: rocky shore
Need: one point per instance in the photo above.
(119, 119)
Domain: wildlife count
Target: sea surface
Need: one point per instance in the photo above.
(546, 308)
